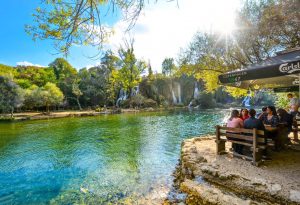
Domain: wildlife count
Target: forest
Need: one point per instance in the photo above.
(122, 80)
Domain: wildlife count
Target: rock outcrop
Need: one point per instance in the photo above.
(210, 179)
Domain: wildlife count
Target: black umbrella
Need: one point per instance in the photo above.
(282, 70)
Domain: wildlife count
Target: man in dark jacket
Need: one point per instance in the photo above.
(252, 122)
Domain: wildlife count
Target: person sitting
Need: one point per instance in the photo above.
(235, 122)
(285, 118)
(286, 121)
(271, 122)
(251, 123)
(270, 118)
(264, 112)
(244, 115)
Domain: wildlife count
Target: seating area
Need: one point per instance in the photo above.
(252, 138)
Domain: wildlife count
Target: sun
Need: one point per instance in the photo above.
(223, 20)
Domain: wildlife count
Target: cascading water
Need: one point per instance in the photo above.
(196, 91)
(179, 94)
(122, 96)
(135, 90)
(196, 94)
(174, 97)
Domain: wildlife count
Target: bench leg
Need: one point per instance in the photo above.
(257, 157)
(220, 146)
(296, 135)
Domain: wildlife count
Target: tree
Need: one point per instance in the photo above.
(51, 95)
(78, 22)
(168, 66)
(130, 73)
(11, 95)
(76, 91)
(150, 71)
(65, 75)
(266, 27)
(27, 76)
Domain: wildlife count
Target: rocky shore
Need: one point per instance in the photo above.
(205, 178)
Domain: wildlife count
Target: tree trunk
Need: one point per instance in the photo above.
(12, 112)
(77, 99)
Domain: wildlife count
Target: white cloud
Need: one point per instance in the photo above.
(164, 28)
(26, 63)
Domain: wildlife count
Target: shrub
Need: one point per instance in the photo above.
(150, 103)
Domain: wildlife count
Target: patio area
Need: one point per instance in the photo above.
(224, 179)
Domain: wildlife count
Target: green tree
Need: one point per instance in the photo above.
(51, 95)
(11, 95)
(150, 72)
(31, 75)
(76, 91)
(65, 75)
(130, 73)
(168, 66)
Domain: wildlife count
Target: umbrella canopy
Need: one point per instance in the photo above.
(282, 70)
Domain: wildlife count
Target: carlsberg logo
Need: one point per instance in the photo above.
(289, 68)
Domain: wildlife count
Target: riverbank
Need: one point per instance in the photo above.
(206, 178)
(64, 114)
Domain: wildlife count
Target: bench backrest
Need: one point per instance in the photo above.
(250, 135)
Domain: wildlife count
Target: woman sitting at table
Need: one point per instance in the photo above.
(244, 115)
(235, 122)
(271, 122)
(270, 119)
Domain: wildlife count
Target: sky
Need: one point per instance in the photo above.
(161, 31)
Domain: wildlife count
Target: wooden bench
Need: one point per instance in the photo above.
(296, 128)
(252, 138)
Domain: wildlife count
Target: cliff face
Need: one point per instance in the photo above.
(210, 179)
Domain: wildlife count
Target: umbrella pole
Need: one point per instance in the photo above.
(299, 86)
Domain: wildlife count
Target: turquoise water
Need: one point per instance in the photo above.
(95, 160)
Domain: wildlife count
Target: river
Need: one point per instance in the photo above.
(94, 160)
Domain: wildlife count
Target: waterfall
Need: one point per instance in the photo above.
(174, 97)
(122, 96)
(135, 90)
(179, 94)
(196, 91)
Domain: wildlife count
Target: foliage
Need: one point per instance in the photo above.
(129, 75)
(11, 95)
(7, 71)
(266, 28)
(51, 95)
(78, 22)
(168, 66)
(150, 103)
(206, 100)
(281, 100)
(27, 76)
(66, 76)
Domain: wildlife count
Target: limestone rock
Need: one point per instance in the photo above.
(274, 188)
(295, 195)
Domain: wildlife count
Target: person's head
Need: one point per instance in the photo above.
(234, 114)
(290, 95)
(264, 109)
(244, 112)
(252, 112)
(271, 110)
(281, 112)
